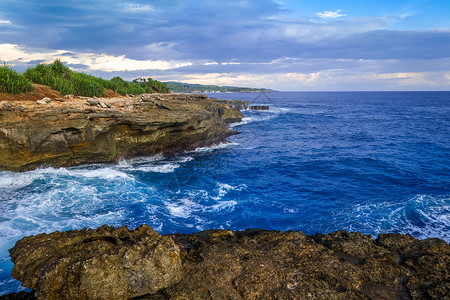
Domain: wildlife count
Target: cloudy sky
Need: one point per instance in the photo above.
(293, 45)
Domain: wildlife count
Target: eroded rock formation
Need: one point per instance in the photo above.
(106, 263)
(75, 132)
(110, 263)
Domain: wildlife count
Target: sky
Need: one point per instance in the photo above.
(286, 45)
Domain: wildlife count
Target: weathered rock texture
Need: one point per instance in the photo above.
(222, 264)
(73, 132)
(106, 263)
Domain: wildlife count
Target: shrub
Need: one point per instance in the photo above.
(86, 85)
(12, 82)
(61, 78)
(64, 80)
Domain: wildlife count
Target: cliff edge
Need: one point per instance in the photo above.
(71, 131)
(110, 263)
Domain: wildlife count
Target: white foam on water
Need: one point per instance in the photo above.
(156, 164)
(215, 147)
(15, 181)
(103, 173)
(252, 119)
(422, 216)
(221, 206)
(123, 164)
(185, 159)
(224, 188)
(183, 208)
(193, 205)
(18, 180)
(164, 168)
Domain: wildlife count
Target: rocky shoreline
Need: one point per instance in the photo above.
(70, 131)
(117, 263)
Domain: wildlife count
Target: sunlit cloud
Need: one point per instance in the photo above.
(330, 14)
(92, 61)
(5, 22)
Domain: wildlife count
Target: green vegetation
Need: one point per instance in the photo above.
(138, 86)
(178, 87)
(60, 78)
(12, 82)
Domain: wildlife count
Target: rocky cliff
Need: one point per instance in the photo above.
(110, 263)
(69, 131)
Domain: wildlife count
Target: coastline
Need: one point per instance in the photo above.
(119, 263)
(73, 131)
(369, 287)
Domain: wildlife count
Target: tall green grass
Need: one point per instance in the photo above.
(59, 77)
(12, 82)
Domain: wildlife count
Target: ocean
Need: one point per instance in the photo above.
(373, 162)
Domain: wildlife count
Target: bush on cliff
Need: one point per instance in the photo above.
(12, 82)
(59, 77)
(153, 86)
(138, 86)
(123, 87)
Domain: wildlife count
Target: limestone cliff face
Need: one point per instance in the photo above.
(110, 263)
(79, 131)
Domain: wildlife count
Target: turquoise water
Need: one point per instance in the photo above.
(316, 162)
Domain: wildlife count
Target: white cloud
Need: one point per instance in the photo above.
(5, 22)
(275, 80)
(230, 63)
(326, 80)
(330, 14)
(94, 61)
(137, 8)
(404, 78)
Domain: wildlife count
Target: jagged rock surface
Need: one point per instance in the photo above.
(106, 263)
(251, 264)
(72, 133)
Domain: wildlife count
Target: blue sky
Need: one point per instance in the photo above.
(292, 45)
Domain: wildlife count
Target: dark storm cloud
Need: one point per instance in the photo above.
(247, 31)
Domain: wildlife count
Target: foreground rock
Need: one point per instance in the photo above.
(98, 264)
(71, 133)
(221, 264)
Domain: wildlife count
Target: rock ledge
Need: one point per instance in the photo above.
(110, 263)
(80, 131)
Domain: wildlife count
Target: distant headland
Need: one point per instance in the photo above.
(180, 87)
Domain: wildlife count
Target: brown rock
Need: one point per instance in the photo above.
(67, 134)
(5, 106)
(106, 263)
(21, 108)
(222, 264)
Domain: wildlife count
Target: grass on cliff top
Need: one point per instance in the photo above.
(12, 82)
(60, 78)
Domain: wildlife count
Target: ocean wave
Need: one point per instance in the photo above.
(162, 168)
(184, 159)
(13, 181)
(422, 216)
(103, 173)
(155, 164)
(224, 188)
(198, 202)
(215, 147)
(252, 119)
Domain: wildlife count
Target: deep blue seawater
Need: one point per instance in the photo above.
(316, 162)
